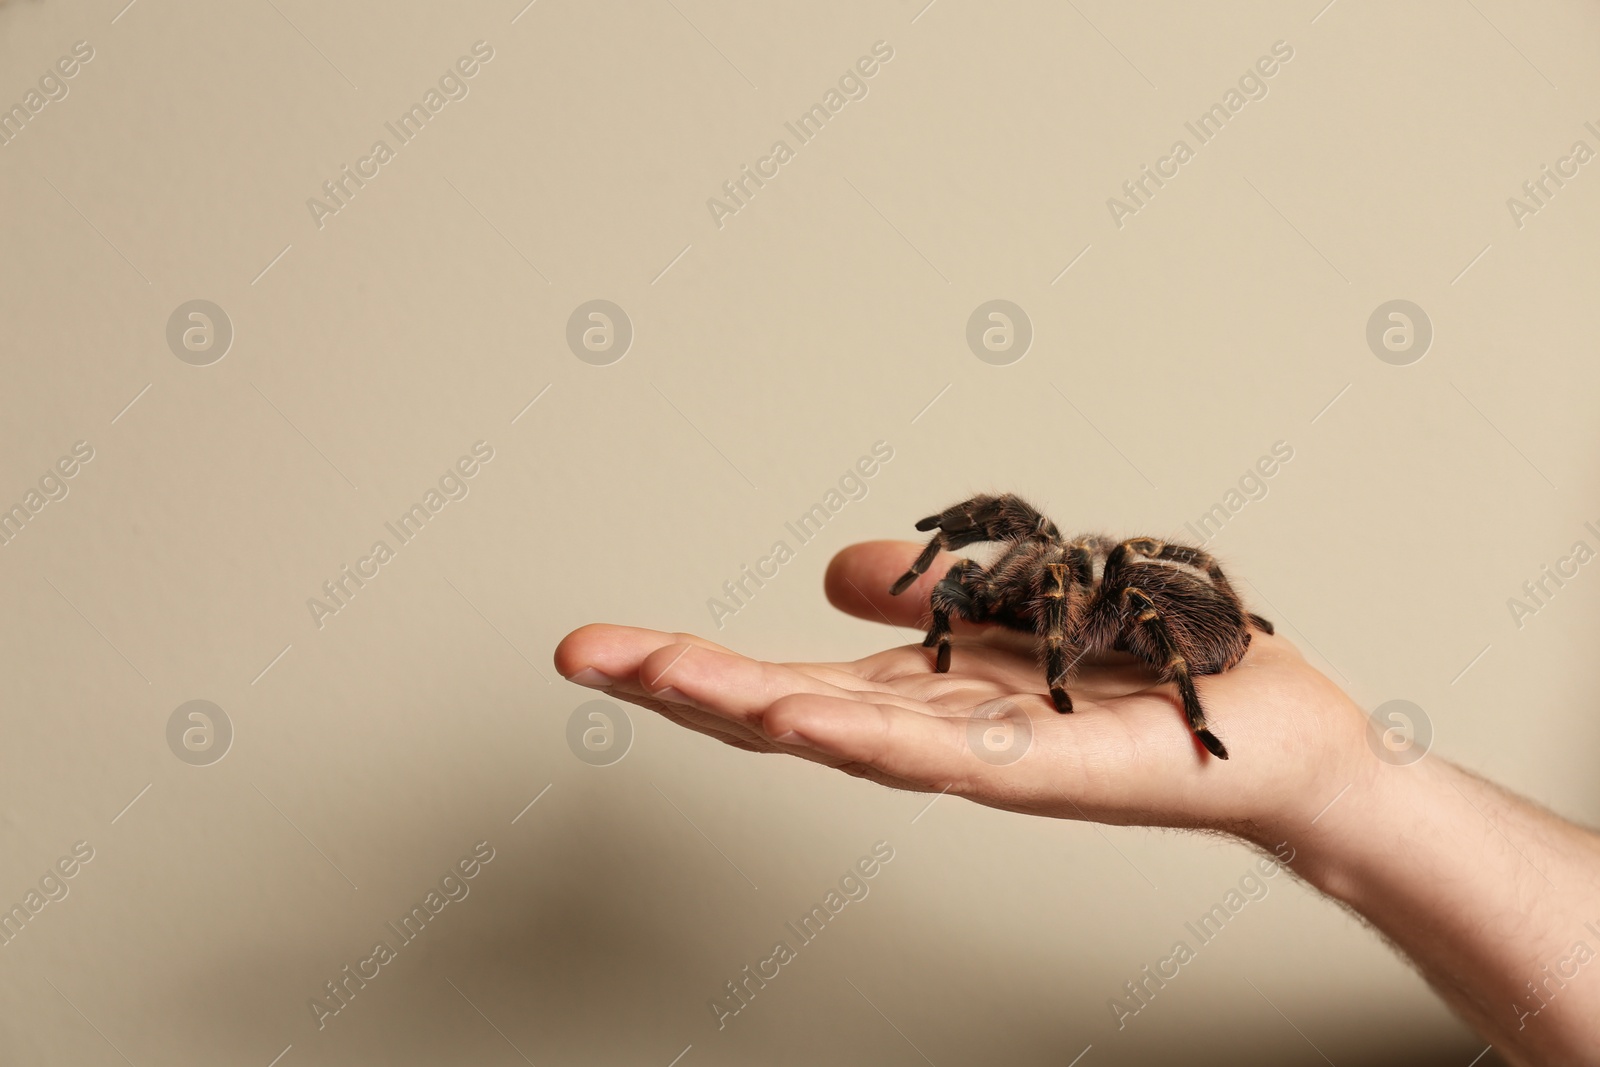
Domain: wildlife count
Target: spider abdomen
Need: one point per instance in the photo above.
(1207, 625)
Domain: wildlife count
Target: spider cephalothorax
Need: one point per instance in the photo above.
(1169, 605)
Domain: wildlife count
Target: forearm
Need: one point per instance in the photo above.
(1496, 900)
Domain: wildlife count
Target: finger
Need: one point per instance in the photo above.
(734, 687)
(858, 580)
(859, 577)
(692, 718)
(612, 658)
(928, 752)
(748, 738)
(614, 653)
(725, 694)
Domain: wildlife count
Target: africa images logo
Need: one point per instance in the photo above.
(452, 85)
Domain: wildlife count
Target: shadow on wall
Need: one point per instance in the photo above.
(556, 953)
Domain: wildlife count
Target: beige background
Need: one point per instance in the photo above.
(769, 355)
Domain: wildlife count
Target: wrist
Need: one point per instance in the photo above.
(1349, 848)
(1326, 805)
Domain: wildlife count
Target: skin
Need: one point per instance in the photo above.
(1483, 891)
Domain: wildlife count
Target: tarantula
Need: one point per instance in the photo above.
(1169, 605)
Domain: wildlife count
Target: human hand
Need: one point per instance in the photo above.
(1124, 756)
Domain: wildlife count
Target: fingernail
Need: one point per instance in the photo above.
(670, 695)
(794, 740)
(593, 679)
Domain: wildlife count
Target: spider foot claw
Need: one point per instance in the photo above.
(1212, 743)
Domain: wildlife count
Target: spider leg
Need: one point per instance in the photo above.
(1055, 616)
(954, 592)
(982, 518)
(1116, 559)
(1174, 666)
(979, 594)
(920, 565)
(991, 518)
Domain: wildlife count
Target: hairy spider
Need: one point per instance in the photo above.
(1169, 605)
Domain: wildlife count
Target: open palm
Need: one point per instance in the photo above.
(1124, 756)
